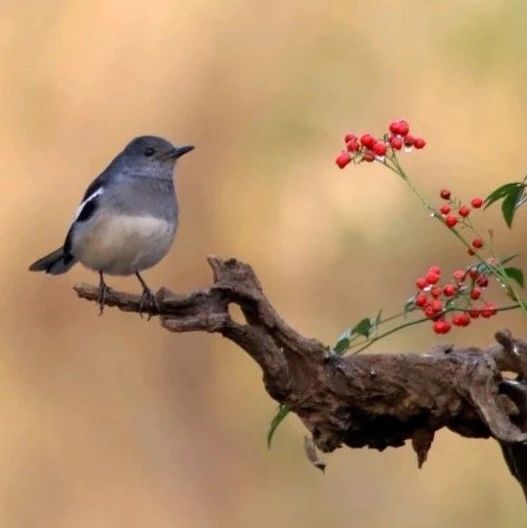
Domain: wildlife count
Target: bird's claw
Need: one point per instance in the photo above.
(149, 301)
(101, 300)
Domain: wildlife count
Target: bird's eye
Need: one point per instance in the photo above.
(149, 152)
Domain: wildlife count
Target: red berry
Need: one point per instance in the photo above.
(474, 313)
(461, 319)
(409, 140)
(488, 310)
(350, 137)
(445, 194)
(431, 277)
(396, 143)
(450, 220)
(400, 127)
(475, 294)
(420, 300)
(477, 243)
(353, 146)
(465, 317)
(445, 209)
(482, 281)
(379, 148)
(368, 140)
(429, 312)
(368, 156)
(449, 290)
(441, 327)
(473, 273)
(464, 211)
(476, 203)
(421, 283)
(459, 275)
(343, 159)
(419, 143)
(434, 269)
(436, 291)
(437, 305)
(404, 127)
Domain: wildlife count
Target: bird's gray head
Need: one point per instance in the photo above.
(152, 156)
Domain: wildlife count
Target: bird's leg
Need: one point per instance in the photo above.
(147, 297)
(103, 290)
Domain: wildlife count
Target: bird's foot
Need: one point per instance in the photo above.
(148, 301)
(103, 293)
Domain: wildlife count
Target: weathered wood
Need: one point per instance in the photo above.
(368, 400)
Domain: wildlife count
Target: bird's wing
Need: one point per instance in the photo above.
(88, 205)
(85, 211)
(98, 183)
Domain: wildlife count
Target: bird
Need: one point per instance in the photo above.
(127, 219)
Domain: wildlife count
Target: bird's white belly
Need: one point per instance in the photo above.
(123, 245)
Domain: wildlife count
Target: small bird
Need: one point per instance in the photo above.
(127, 218)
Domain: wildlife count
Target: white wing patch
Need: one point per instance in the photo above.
(92, 196)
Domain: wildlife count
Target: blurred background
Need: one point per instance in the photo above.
(112, 421)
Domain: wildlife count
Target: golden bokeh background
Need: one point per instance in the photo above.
(111, 421)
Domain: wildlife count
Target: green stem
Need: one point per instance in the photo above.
(380, 323)
(497, 271)
(366, 344)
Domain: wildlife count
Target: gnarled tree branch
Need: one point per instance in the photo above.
(372, 400)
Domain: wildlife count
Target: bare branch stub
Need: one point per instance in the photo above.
(373, 400)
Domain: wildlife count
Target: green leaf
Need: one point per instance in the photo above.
(363, 327)
(450, 303)
(283, 411)
(341, 345)
(503, 192)
(515, 274)
(512, 196)
(510, 205)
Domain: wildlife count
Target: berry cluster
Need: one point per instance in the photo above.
(454, 212)
(461, 294)
(369, 148)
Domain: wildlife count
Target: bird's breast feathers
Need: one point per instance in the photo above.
(122, 244)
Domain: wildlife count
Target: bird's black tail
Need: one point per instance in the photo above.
(56, 262)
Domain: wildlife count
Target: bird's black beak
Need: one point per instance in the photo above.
(176, 152)
(180, 151)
